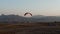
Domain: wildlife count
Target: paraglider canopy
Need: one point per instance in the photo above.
(27, 14)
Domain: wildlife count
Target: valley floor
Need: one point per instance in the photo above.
(28, 29)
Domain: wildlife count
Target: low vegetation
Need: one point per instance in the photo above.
(30, 28)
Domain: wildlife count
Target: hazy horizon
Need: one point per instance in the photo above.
(36, 7)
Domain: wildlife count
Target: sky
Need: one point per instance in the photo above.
(36, 7)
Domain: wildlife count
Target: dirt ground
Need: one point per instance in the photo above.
(28, 29)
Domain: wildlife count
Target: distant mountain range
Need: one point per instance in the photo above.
(36, 18)
(41, 18)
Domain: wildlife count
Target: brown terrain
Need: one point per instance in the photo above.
(30, 28)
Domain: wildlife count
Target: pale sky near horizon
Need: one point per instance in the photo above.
(36, 7)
